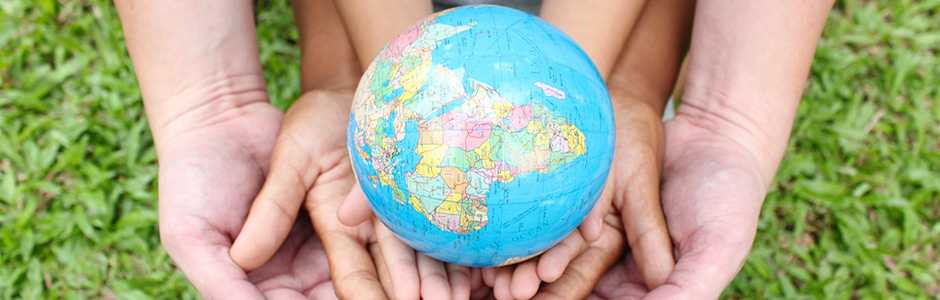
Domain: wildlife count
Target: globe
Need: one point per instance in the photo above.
(482, 136)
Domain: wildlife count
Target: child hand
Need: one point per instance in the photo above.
(309, 166)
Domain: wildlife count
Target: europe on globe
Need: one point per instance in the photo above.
(481, 136)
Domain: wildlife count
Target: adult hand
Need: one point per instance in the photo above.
(212, 163)
(711, 196)
(712, 192)
(723, 147)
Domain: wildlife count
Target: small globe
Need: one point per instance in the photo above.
(481, 136)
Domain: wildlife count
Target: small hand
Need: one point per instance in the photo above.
(209, 173)
(309, 167)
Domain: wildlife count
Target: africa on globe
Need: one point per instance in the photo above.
(481, 136)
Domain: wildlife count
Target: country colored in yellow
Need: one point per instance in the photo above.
(431, 157)
(575, 138)
(412, 81)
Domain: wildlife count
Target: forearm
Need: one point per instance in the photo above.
(193, 60)
(646, 69)
(748, 64)
(328, 60)
(372, 23)
(580, 20)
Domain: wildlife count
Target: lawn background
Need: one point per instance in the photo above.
(853, 213)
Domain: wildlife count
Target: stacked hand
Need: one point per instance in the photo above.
(199, 71)
(704, 213)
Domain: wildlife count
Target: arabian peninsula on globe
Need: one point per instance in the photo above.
(481, 136)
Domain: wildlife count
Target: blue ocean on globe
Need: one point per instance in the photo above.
(482, 136)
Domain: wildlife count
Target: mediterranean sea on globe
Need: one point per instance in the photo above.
(481, 136)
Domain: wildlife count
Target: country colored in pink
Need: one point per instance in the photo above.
(451, 222)
(476, 134)
(460, 131)
(519, 117)
(398, 45)
(488, 174)
(559, 144)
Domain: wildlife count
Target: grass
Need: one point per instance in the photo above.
(853, 215)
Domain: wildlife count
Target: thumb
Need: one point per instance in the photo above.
(275, 208)
(593, 224)
(644, 223)
(355, 209)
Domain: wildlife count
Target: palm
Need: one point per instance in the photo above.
(208, 178)
(298, 268)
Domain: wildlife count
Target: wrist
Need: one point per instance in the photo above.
(639, 126)
(689, 145)
(716, 125)
(211, 102)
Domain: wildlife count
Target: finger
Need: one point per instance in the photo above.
(525, 280)
(283, 293)
(207, 265)
(708, 264)
(401, 263)
(322, 291)
(434, 281)
(275, 208)
(484, 293)
(645, 226)
(594, 222)
(581, 276)
(352, 269)
(381, 268)
(502, 283)
(489, 276)
(476, 278)
(460, 281)
(478, 286)
(553, 263)
(355, 209)
(622, 281)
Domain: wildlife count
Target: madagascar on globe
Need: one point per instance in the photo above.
(481, 136)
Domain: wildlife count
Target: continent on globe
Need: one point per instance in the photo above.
(456, 125)
(483, 140)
